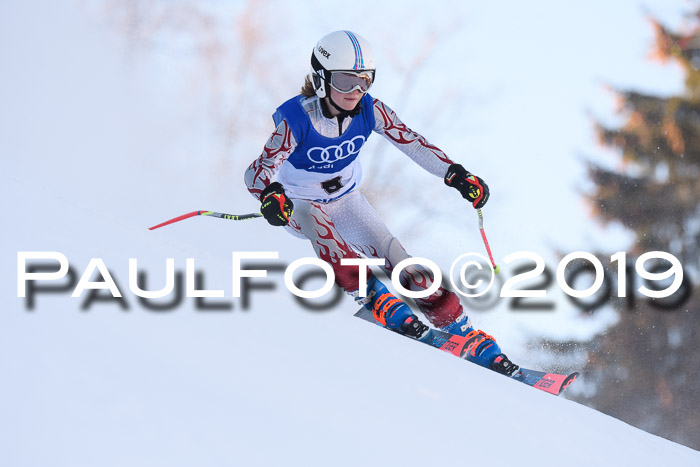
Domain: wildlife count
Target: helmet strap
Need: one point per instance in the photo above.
(324, 107)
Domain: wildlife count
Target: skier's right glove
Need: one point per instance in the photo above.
(472, 188)
(276, 207)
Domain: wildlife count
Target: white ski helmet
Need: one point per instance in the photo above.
(342, 51)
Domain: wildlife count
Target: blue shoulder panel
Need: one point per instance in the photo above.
(318, 153)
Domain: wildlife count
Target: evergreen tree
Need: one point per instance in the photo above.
(647, 367)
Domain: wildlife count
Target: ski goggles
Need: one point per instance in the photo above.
(347, 81)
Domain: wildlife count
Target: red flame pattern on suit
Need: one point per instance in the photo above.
(398, 132)
(367, 250)
(276, 151)
(331, 248)
(294, 225)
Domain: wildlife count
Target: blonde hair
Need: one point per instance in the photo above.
(307, 90)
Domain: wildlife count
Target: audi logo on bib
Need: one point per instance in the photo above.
(335, 153)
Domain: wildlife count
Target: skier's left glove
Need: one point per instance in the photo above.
(472, 188)
(276, 207)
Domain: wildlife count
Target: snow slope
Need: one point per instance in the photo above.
(275, 385)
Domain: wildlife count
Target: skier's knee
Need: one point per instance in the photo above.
(441, 308)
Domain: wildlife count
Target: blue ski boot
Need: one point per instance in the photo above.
(390, 311)
(481, 348)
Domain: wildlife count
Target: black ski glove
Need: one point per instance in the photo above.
(472, 188)
(276, 207)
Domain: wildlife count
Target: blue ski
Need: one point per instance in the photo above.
(552, 383)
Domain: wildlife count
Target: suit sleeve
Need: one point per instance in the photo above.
(415, 146)
(277, 149)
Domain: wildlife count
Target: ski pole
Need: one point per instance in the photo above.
(220, 215)
(496, 268)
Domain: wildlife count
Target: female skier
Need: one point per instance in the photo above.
(313, 154)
